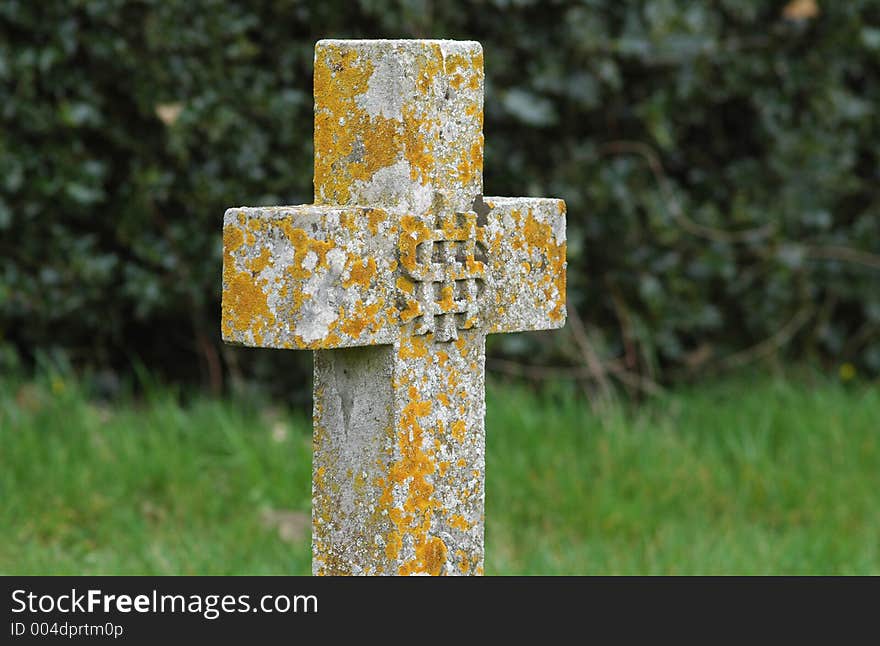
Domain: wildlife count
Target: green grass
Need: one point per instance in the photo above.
(753, 475)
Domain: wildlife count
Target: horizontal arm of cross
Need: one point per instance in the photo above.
(321, 277)
(307, 276)
(524, 239)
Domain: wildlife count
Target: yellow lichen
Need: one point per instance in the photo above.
(541, 244)
(418, 148)
(412, 310)
(464, 563)
(447, 301)
(361, 317)
(477, 64)
(458, 429)
(374, 218)
(413, 232)
(362, 272)
(303, 244)
(413, 468)
(432, 555)
(245, 305)
(350, 145)
(405, 285)
(458, 521)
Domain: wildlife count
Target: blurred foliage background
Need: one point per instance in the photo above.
(719, 160)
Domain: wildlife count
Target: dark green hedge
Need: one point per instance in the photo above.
(719, 160)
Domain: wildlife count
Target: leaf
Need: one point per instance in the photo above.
(791, 255)
(871, 38)
(78, 114)
(529, 108)
(801, 10)
(168, 113)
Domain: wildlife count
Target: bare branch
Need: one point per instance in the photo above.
(771, 344)
(591, 358)
(844, 254)
(694, 228)
(551, 373)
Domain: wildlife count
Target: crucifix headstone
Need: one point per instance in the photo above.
(394, 276)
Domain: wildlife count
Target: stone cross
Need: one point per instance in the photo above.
(394, 276)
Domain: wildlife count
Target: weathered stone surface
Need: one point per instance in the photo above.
(402, 254)
(398, 120)
(525, 238)
(309, 277)
(323, 277)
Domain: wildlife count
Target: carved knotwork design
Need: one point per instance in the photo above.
(448, 275)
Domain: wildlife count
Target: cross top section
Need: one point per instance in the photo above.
(398, 121)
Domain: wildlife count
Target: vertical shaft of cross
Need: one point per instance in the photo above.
(399, 436)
